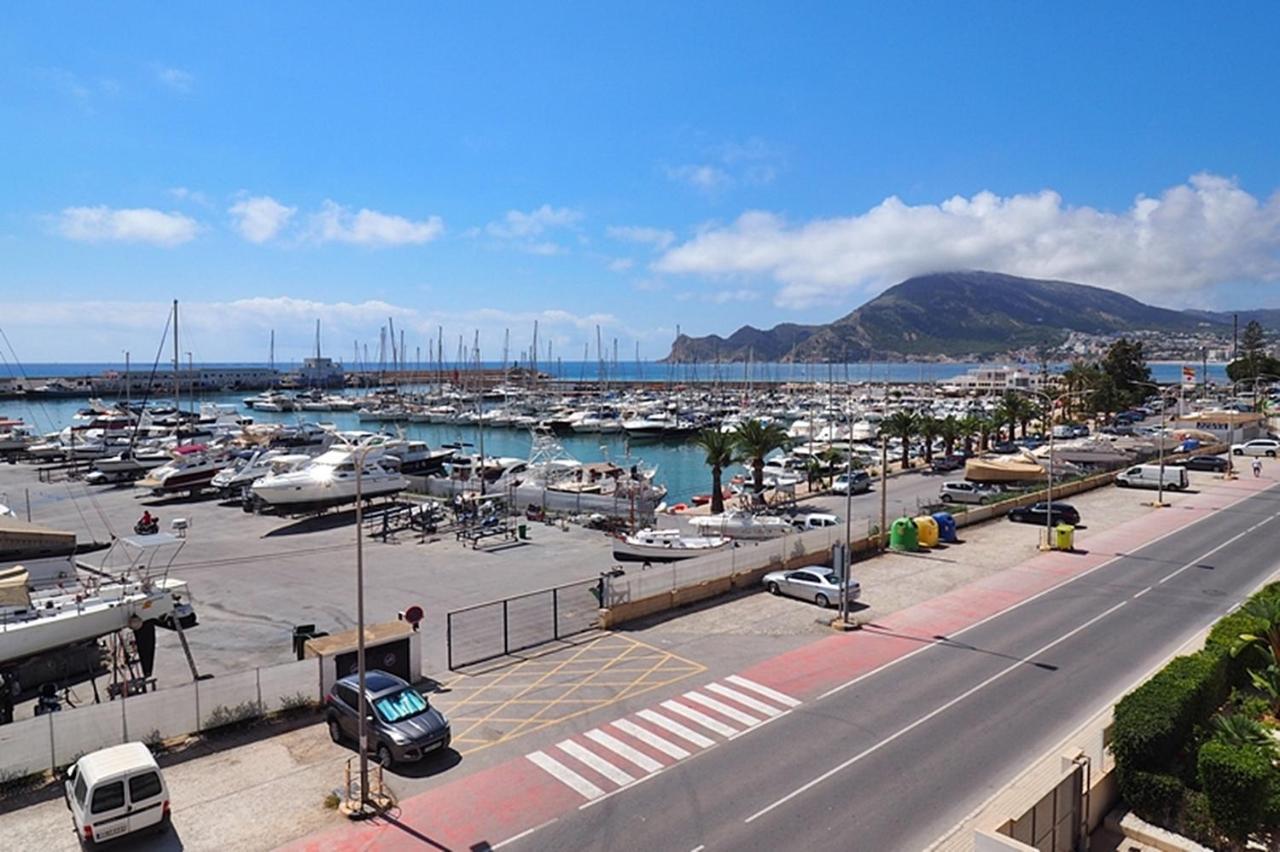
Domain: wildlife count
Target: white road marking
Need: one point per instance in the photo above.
(723, 709)
(701, 718)
(676, 728)
(513, 838)
(931, 714)
(1143, 592)
(646, 736)
(772, 694)
(564, 774)
(745, 700)
(618, 747)
(896, 660)
(599, 764)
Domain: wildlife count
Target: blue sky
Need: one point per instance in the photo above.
(601, 164)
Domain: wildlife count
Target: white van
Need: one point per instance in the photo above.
(1148, 476)
(117, 791)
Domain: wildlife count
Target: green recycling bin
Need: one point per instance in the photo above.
(903, 535)
(1064, 537)
(522, 532)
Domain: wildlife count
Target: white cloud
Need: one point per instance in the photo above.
(704, 176)
(183, 193)
(718, 297)
(1205, 232)
(335, 223)
(659, 238)
(237, 330)
(260, 218)
(517, 224)
(175, 79)
(136, 225)
(621, 264)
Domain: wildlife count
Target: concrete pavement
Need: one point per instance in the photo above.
(858, 764)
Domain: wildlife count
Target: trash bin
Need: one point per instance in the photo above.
(946, 527)
(1064, 537)
(903, 535)
(926, 530)
(522, 532)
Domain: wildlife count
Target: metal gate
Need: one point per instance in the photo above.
(490, 630)
(1054, 823)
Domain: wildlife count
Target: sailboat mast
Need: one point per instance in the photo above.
(177, 385)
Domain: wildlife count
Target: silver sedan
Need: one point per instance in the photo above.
(819, 584)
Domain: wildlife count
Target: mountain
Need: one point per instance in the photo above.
(950, 314)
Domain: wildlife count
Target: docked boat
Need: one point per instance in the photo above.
(416, 457)
(741, 525)
(330, 480)
(649, 545)
(133, 461)
(234, 480)
(191, 469)
(1003, 469)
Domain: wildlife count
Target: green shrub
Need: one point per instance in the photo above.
(1197, 822)
(1154, 796)
(1225, 637)
(1155, 722)
(1238, 783)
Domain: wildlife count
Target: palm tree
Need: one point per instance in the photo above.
(754, 441)
(986, 426)
(1239, 730)
(970, 426)
(902, 424)
(719, 447)
(950, 430)
(928, 429)
(1265, 610)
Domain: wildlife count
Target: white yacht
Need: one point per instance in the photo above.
(191, 469)
(649, 545)
(133, 461)
(330, 480)
(234, 480)
(741, 525)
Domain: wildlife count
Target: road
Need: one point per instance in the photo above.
(894, 759)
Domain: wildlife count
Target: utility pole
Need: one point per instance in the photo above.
(884, 490)
(362, 710)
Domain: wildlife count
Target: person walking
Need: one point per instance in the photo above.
(1257, 468)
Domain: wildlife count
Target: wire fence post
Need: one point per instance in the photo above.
(506, 635)
(555, 613)
(448, 638)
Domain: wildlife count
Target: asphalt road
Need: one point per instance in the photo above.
(895, 759)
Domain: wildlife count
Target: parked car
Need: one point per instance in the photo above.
(402, 725)
(1004, 448)
(1151, 475)
(947, 464)
(1216, 464)
(819, 584)
(116, 791)
(1257, 447)
(859, 482)
(961, 491)
(814, 521)
(1062, 513)
(1079, 431)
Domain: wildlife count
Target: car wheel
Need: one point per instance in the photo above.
(335, 731)
(822, 601)
(384, 756)
(1271, 454)
(947, 498)
(773, 588)
(1237, 452)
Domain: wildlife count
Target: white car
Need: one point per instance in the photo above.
(859, 483)
(813, 521)
(819, 584)
(1269, 447)
(965, 492)
(116, 791)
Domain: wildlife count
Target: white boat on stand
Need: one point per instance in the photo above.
(650, 545)
(741, 525)
(329, 480)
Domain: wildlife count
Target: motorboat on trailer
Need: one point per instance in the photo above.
(132, 461)
(191, 469)
(234, 480)
(739, 524)
(330, 480)
(650, 545)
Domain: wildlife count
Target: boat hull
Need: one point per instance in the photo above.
(624, 551)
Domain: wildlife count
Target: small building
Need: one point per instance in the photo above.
(995, 380)
(1229, 427)
(319, 372)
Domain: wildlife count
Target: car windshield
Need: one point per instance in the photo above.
(400, 705)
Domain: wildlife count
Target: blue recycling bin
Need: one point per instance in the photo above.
(946, 527)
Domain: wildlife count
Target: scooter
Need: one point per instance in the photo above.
(152, 528)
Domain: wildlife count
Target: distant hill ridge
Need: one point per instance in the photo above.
(953, 314)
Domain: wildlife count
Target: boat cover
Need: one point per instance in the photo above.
(13, 587)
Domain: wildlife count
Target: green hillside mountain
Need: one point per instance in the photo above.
(950, 314)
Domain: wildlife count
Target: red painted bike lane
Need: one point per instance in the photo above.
(504, 801)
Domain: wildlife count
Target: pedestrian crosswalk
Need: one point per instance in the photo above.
(625, 750)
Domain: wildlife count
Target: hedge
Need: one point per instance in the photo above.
(1225, 635)
(1237, 782)
(1154, 722)
(1154, 796)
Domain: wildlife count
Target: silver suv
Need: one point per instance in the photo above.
(965, 492)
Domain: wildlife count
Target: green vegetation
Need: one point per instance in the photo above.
(719, 448)
(754, 441)
(1196, 747)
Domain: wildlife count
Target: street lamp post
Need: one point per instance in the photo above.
(1049, 400)
(1160, 504)
(362, 709)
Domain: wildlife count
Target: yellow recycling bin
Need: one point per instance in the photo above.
(927, 531)
(1064, 537)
